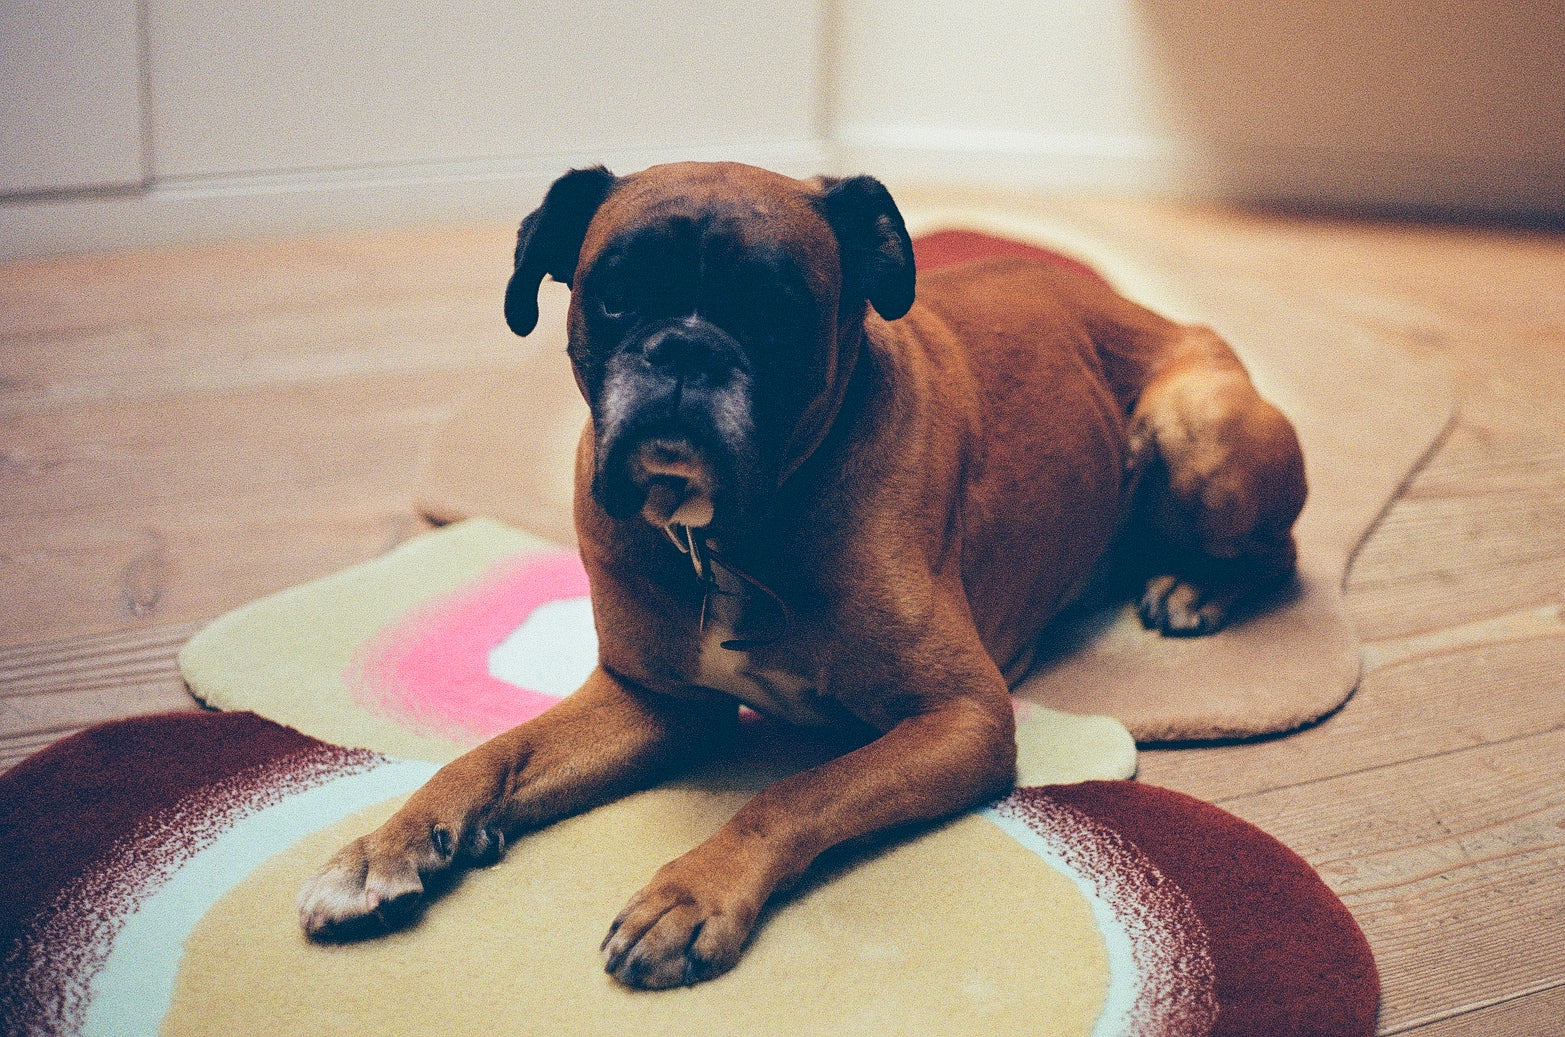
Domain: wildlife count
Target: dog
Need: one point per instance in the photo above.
(806, 490)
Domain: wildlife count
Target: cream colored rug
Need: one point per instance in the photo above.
(465, 632)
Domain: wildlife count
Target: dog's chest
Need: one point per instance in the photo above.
(772, 682)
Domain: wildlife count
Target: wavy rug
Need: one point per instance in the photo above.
(465, 632)
(1366, 413)
(152, 863)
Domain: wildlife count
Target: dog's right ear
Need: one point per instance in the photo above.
(549, 241)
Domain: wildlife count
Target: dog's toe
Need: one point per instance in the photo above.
(1153, 608)
(1180, 609)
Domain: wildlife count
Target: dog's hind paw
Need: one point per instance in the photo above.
(1180, 609)
(359, 892)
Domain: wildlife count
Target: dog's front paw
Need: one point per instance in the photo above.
(1180, 609)
(360, 890)
(681, 929)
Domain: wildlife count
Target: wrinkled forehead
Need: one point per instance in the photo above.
(717, 215)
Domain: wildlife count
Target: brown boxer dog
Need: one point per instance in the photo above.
(804, 491)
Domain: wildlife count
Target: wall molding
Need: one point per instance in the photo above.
(1530, 188)
(174, 211)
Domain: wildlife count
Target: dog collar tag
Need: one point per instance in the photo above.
(685, 539)
(700, 552)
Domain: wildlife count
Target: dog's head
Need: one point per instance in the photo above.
(717, 313)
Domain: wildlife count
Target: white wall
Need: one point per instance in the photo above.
(266, 118)
(189, 119)
(70, 96)
(265, 87)
(1439, 103)
(1004, 91)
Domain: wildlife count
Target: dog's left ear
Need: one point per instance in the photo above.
(549, 241)
(877, 255)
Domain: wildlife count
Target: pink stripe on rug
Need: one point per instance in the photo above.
(431, 669)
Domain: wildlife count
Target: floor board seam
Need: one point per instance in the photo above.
(1541, 987)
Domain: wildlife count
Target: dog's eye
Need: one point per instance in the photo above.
(613, 304)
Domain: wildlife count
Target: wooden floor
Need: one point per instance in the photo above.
(183, 431)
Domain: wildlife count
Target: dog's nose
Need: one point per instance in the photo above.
(674, 350)
(688, 350)
(678, 350)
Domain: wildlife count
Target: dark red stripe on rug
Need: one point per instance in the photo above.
(1289, 959)
(96, 819)
(953, 247)
(60, 808)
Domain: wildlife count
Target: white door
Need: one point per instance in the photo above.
(70, 96)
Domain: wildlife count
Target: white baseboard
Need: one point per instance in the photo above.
(176, 211)
(1512, 186)
(1027, 161)
(179, 211)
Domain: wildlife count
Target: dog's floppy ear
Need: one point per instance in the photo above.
(549, 241)
(877, 255)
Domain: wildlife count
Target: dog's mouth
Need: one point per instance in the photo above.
(676, 480)
(675, 448)
(670, 476)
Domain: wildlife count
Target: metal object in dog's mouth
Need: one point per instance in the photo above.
(677, 480)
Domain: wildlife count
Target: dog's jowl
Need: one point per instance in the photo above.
(804, 490)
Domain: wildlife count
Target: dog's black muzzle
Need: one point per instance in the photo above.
(685, 385)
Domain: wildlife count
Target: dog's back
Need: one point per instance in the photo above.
(1047, 486)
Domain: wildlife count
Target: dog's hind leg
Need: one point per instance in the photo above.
(1222, 481)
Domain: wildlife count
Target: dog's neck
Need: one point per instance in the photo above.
(820, 416)
(720, 577)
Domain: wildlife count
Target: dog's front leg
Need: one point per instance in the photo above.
(606, 739)
(692, 920)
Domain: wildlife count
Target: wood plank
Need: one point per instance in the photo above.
(106, 570)
(175, 286)
(1540, 623)
(1453, 866)
(94, 662)
(1472, 536)
(209, 447)
(277, 349)
(1420, 707)
(1531, 1015)
(62, 712)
